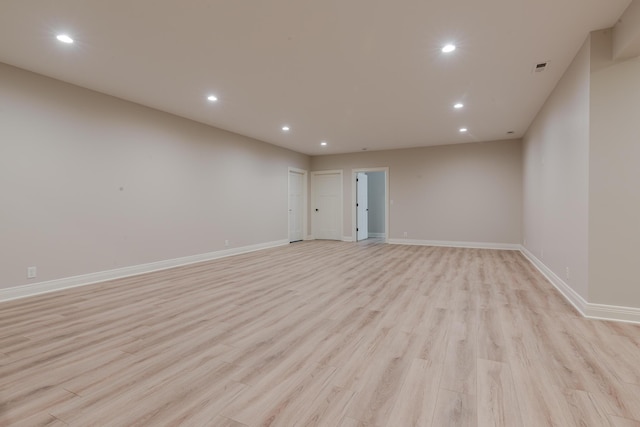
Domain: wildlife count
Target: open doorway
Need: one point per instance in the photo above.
(362, 206)
(370, 216)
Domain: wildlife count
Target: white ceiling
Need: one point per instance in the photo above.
(356, 73)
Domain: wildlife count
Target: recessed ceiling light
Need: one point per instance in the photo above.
(286, 128)
(448, 48)
(64, 38)
(463, 130)
(458, 105)
(212, 98)
(323, 143)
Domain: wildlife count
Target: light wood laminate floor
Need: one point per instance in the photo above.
(319, 334)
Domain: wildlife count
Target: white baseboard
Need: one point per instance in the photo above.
(347, 239)
(309, 237)
(377, 235)
(567, 291)
(612, 312)
(453, 244)
(587, 309)
(88, 279)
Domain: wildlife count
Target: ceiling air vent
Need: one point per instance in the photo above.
(540, 67)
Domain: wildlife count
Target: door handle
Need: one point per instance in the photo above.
(317, 210)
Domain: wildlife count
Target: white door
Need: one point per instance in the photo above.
(296, 206)
(362, 207)
(327, 205)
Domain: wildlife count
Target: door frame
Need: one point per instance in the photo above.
(354, 214)
(305, 214)
(313, 199)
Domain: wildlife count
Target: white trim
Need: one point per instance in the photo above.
(612, 312)
(354, 174)
(305, 214)
(576, 300)
(88, 279)
(587, 309)
(309, 237)
(454, 244)
(347, 239)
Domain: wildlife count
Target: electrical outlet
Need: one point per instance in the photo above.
(226, 243)
(525, 242)
(32, 272)
(405, 234)
(541, 253)
(568, 275)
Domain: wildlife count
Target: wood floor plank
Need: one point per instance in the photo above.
(204, 406)
(491, 342)
(460, 371)
(415, 404)
(41, 419)
(290, 411)
(455, 410)
(330, 408)
(620, 399)
(319, 334)
(168, 402)
(23, 409)
(381, 384)
(496, 399)
(220, 421)
(351, 422)
(265, 401)
(108, 401)
(585, 410)
(434, 333)
(618, 354)
(623, 422)
(541, 401)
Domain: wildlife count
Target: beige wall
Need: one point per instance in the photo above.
(91, 183)
(581, 176)
(614, 167)
(556, 180)
(464, 193)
